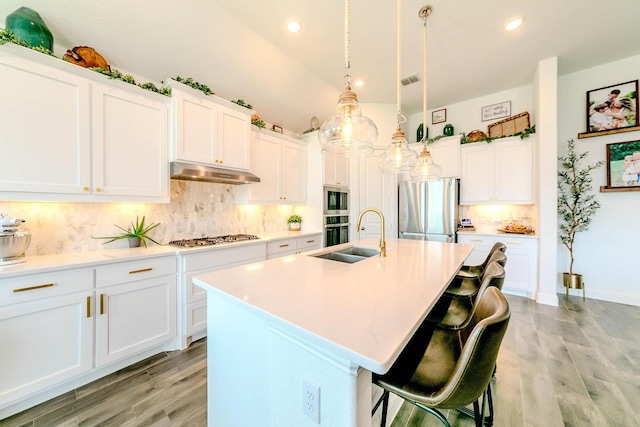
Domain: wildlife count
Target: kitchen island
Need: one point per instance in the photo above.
(303, 333)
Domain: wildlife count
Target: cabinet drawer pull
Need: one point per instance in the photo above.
(476, 240)
(284, 246)
(101, 303)
(89, 306)
(514, 243)
(310, 241)
(142, 270)
(85, 188)
(31, 288)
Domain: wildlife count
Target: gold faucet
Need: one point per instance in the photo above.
(383, 243)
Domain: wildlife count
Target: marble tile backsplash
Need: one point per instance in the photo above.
(197, 209)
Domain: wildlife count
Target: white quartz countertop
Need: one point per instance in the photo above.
(54, 262)
(364, 312)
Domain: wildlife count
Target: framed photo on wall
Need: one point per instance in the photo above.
(439, 116)
(612, 107)
(623, 164)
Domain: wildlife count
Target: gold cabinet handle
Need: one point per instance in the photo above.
(88, 306)
(142, 270)
(98, 190)
(284, 246)
(475, 240)
(31, 288)
(101, 303)
(514, 243)
(310, 241)
(85, 188)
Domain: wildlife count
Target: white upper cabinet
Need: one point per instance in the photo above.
(45, 126)
(446, 154)
(281, 164)
(71, 134)
(500, 172)
(336, 171)
(129, 143)
(208, 130)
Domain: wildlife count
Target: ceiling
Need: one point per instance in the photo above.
(242, 50)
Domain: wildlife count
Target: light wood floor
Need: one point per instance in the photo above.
(573, 365)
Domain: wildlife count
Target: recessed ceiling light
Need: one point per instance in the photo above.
(514, 23)
(293, 26)
(359, 83)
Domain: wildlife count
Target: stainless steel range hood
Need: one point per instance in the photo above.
(193, 172)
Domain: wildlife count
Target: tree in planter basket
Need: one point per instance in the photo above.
(576, 204)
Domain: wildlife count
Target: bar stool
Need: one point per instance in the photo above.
(468, 286)
(467, 271)
(453, 312)
(434, 373)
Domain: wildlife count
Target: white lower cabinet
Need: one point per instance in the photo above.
(293, 245)
(62, 329)
(138, 312)
(193, 306)
(46, 325)
(521, 270)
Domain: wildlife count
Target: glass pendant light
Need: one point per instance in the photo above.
(348, 132)
(398, 158)
(426, 169)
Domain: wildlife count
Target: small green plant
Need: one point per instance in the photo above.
(576, 205)
(241, 103)
(139, 229)
(258, 123)
(294, 218)
(194, 84)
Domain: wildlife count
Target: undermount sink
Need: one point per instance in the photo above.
(349, 255)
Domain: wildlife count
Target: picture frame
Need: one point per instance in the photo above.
(496, 111)
(277, 129)
(439, 116)
(623, 164)
(613, 107)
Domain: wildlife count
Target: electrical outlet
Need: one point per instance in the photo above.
(311, 400)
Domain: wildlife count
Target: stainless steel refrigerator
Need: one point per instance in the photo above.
(428, 210)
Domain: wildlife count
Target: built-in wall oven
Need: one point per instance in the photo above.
(336, 215)
(336, 229)
(336, 201)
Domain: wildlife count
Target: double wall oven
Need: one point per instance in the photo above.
(336, 215)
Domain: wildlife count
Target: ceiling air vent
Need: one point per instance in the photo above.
(413, 78)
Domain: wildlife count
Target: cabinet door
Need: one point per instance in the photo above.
(521, 268)
(44, 343)
(129, 144)
(265, 163)
(234, 136)
(514, 171)
(133, 317)
(477, 177)
(45, 136)
(293, 173)
(446, 154)
(195, 133)
(336, 170)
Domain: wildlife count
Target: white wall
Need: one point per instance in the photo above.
(465, 116)
(607, 252)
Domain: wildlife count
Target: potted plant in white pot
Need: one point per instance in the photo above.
(294, 221)
(576, 205)
(136, 234)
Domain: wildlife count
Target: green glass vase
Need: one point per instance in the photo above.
(28, 26)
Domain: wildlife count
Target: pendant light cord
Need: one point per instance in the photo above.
(424, 72)
(398, 48)
(347, 42)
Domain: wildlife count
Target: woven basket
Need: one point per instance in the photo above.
(511, 126)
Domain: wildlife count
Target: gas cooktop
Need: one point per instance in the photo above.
(208, 241)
